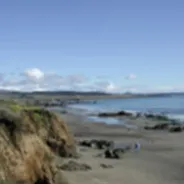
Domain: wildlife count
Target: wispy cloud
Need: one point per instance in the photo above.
(35, 79)
(131, 76)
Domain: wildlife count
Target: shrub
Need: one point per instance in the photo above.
(8, 182)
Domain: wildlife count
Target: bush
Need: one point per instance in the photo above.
(8, 182)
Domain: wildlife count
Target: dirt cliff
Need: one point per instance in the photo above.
(29, 138)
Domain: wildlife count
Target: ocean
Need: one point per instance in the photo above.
(172, 106)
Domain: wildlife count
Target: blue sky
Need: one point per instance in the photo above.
(124, 45)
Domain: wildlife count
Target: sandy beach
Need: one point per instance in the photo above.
(159, 161)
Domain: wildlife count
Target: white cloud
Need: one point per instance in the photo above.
(131, 76)
(112, 88)
(34, 74)
(106, 86)
(36, 80)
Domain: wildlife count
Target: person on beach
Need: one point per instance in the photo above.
(137, 146)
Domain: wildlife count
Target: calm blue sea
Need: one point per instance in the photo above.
(172, 106)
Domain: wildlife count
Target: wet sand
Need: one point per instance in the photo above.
(160, 160)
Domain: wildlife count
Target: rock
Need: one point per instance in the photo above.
(113, 114)
(74, 166)
(108, 154)
(173, 127)
(157, 117)
(148, 128)
(139, 114)
(101, 144)
(115, 153)
(98, 144)
(118, 153)
(105, 166)
(176, 129)
(85, 143)
(161, 126)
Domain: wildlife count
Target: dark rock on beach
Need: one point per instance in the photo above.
(114, 153)
(176, 129)
(161, 126)
(105, 166)
(74, 166)
(114, 114)
(98, 144)
(172, 127)
(157, 117)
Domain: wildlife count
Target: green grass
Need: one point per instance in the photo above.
(8, 182)
(13, 116)
(15, 106)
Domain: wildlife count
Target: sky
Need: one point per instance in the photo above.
(103, 45)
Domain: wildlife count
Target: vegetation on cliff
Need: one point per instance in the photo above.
(29, 139)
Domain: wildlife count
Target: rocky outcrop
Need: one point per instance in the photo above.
(115, 114)
(75, 166)
(171, 127)
(53, 131)
(153, 116)
(114, 153)
(158, 117)
(98, 144)
(161, 126)
(176, 129)
(27, 145)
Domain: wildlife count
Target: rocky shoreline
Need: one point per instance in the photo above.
(165, 122)
(135, 114)
(46, 147)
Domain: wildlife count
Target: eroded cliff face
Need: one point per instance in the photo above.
(29, 138)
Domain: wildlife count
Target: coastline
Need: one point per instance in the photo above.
(159, 159)
(93, 111)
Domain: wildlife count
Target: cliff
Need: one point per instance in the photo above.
(29, 138)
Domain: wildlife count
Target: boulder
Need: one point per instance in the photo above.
(74, 166)
(157, 117)
(114, 153)
(114, 114)
(109, 154)
(176, 129)
(85, 143)
(118, 153)
(160, 126)
(105, 166)
(98, 144)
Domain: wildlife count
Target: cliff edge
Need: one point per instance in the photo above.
(29, 139)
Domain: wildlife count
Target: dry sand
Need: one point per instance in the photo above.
(160, 160)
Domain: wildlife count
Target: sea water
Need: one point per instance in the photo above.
(171, 106)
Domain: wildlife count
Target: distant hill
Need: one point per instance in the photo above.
(86, 93)
(51, 93)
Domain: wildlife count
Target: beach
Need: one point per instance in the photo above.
(159, 161)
